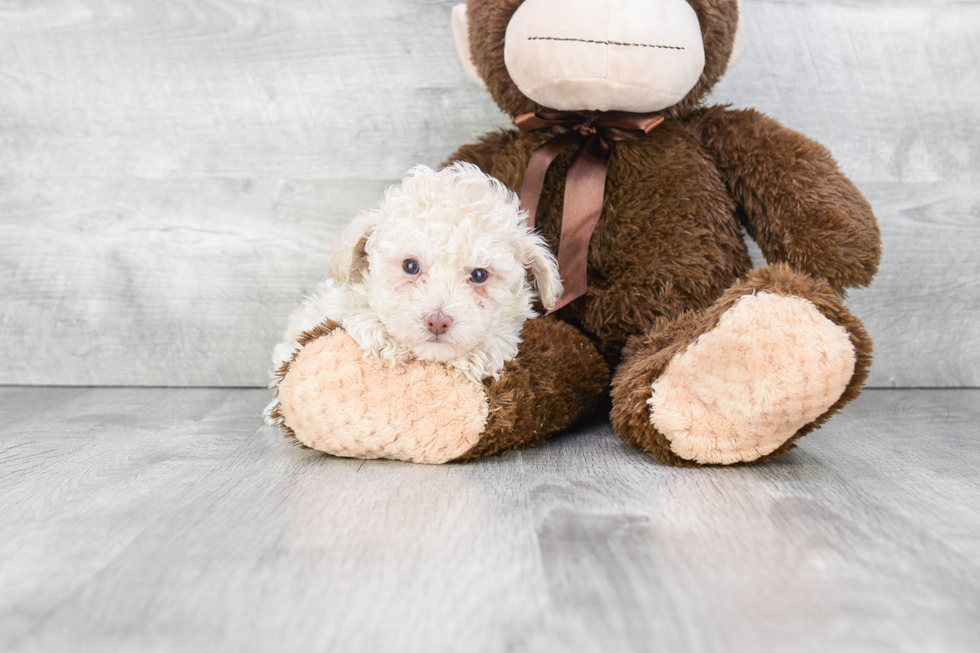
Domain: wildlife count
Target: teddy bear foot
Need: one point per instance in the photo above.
(770, 366)
(766, 364)
(332, 398)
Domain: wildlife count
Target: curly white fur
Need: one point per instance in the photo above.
(452, 222)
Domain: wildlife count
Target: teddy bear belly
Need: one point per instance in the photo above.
(662, 248)
(668, 240)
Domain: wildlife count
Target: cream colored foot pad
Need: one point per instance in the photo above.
(336, 400)
(772, 365)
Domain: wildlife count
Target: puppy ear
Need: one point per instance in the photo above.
(461, 32)
(543, 266)
(349, 256)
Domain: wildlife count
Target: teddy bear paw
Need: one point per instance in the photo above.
(335, 399)
(771, 365)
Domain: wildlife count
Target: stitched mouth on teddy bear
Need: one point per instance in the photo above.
(602, 42)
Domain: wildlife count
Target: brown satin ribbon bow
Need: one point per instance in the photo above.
(597, 134)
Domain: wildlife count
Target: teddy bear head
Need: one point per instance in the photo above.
(598, 55)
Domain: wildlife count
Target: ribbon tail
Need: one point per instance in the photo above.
(584, 191)
(537, 169)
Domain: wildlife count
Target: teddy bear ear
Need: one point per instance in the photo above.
(461, 32)
(739, 43)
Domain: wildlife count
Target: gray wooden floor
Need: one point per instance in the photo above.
(166, 520)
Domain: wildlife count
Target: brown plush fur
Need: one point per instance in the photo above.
(668, 255)
(825, 228)
(558, 379)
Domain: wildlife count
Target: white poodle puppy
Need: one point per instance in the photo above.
(444, 269)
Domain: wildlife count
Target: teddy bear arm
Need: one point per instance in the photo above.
(796, 203)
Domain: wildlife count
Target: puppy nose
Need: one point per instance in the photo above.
(438, 323)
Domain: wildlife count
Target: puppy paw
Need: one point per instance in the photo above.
(333, 398)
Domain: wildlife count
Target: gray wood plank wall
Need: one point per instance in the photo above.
(173, 173)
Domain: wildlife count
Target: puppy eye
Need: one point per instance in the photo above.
(411, 266)
(479, 275)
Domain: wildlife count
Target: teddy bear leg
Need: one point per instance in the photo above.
(331, 398)
(770, 361)
(557, 379)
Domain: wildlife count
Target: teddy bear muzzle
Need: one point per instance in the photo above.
(574, 55)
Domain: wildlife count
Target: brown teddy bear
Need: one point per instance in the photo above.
(644, 194)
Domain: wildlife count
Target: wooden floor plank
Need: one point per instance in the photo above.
(152, 519)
